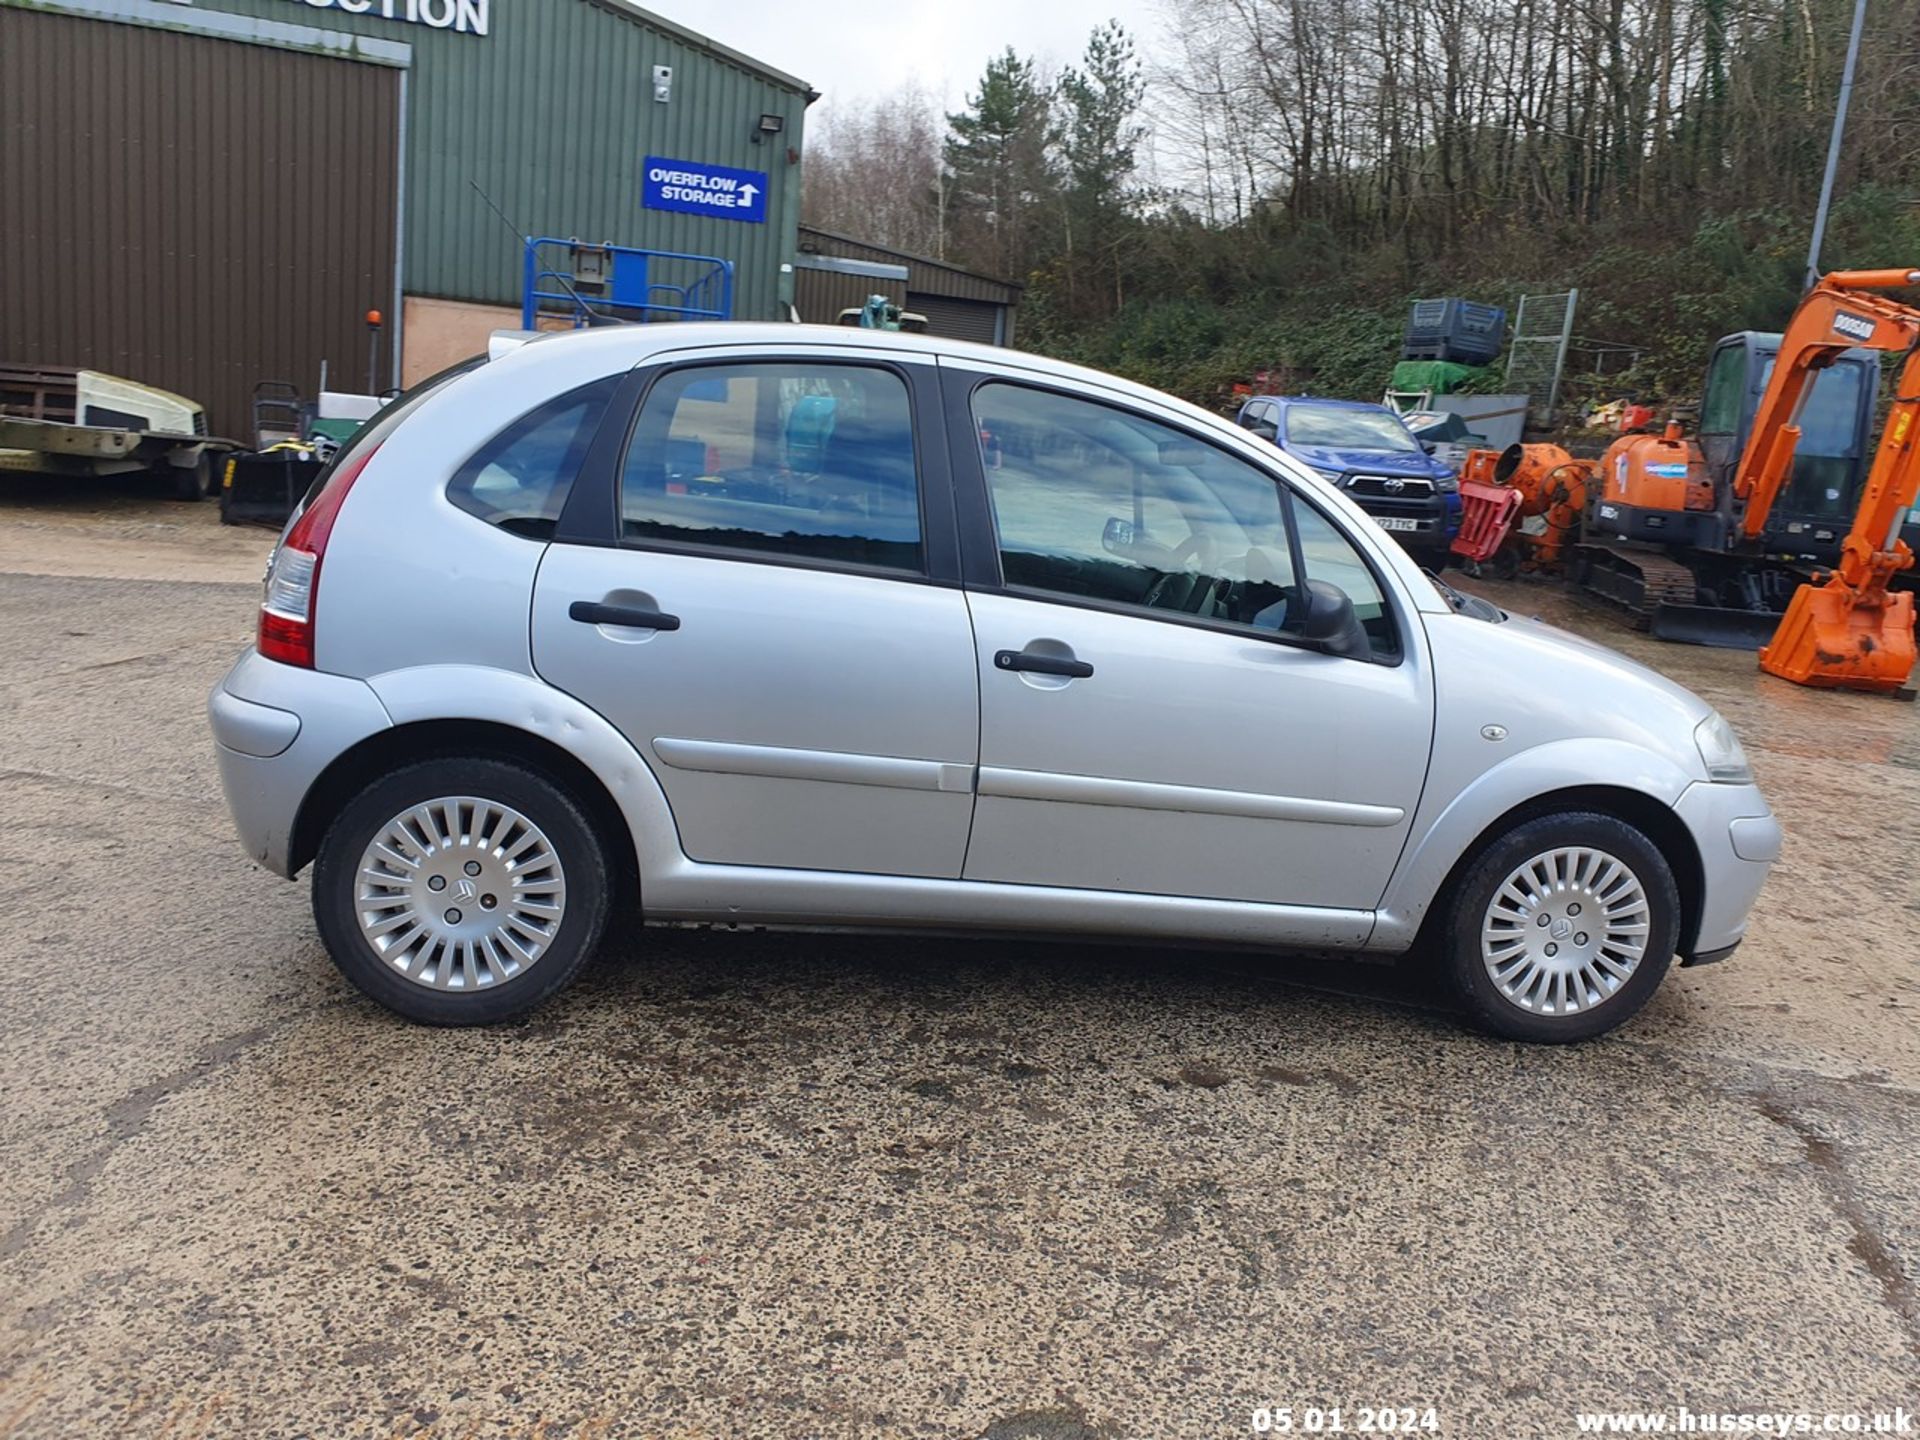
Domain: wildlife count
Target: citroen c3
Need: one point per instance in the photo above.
(792, 626)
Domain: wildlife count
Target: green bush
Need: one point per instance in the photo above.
(1213, 306)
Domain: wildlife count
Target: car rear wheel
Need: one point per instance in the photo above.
(460, 891)
(1562, 928)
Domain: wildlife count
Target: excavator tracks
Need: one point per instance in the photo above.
(1639, 580)
(1663, 595)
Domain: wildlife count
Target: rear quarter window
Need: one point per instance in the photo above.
(519, 480)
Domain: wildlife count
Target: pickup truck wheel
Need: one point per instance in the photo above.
(460, 891)
(1562, 928)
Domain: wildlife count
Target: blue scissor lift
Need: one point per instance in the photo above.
(588, 284)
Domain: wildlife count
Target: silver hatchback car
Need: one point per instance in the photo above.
(786, 625)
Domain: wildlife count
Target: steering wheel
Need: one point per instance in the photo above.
(1195, 557)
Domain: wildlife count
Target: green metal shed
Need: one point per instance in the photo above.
(549, 107)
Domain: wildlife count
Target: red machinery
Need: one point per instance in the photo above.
(1500, 488)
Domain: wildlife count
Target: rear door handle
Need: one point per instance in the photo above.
(594, 612)
(1041, 664)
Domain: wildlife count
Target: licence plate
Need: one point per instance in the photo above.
(1394, 522)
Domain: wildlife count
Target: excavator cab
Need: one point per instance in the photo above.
(1811, 514)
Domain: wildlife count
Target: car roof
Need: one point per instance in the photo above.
(624, 346)
(636, 343)
(607, 348)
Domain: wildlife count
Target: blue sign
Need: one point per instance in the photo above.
(696, 189)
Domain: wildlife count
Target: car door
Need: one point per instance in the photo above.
(1150, 722)
(760, 614)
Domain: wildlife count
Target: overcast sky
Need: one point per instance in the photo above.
(858, 49)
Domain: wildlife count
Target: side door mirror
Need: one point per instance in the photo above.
(1264, 428)
(1330, 622)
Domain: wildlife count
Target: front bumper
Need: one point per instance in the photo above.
(1435, 522)
(275, 729)
(1738, 839)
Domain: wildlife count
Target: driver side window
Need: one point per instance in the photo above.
(1100, 504)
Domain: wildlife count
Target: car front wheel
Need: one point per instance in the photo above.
(460, 891)
(1562, 928)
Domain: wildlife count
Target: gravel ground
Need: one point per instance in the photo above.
(848, 1187)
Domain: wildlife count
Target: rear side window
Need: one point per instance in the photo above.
(385, 421)
(519, 479)
(810, 462)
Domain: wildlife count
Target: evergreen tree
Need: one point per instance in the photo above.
(1099, 133)
(1000, 168)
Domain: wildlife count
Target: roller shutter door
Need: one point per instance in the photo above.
(957, 319)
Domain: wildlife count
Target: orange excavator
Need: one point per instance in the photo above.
(1851, 632)
(1709, 538)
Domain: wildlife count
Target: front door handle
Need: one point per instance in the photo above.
(594, 612)
(1041, 664)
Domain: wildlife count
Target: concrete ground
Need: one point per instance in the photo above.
(820, 1186)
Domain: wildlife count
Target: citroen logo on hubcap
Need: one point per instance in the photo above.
(1561, 929)
(466, 890)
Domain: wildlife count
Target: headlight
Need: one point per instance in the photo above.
(1333, 476)
(1446, 484)
(1720, 751)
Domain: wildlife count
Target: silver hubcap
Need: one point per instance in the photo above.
(460, 893)
(1565, 931)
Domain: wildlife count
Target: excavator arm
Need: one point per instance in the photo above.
(1850, 632)
(1840, 313)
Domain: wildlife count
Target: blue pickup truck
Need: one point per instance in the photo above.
(1369, 453)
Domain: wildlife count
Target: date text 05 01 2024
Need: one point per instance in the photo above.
(1345, 1420)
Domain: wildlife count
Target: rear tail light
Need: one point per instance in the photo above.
(293, 580)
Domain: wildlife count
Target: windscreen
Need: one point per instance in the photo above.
(1337, 428)
(1826, 463)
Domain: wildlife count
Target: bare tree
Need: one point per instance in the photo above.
(874, 172)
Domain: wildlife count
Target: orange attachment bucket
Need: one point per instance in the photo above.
(1828, 639)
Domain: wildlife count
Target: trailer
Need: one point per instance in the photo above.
(58, 420)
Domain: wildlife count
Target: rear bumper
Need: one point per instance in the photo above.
(275, 729)
(1738, 839)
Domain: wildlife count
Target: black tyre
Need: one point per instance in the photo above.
(1562, 928)
(191, 482)
(460, 891)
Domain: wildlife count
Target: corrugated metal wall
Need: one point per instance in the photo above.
(820, 295)
(924, 276)
(194, 213)
(552, 113)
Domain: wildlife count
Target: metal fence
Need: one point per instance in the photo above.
(1537, 353)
